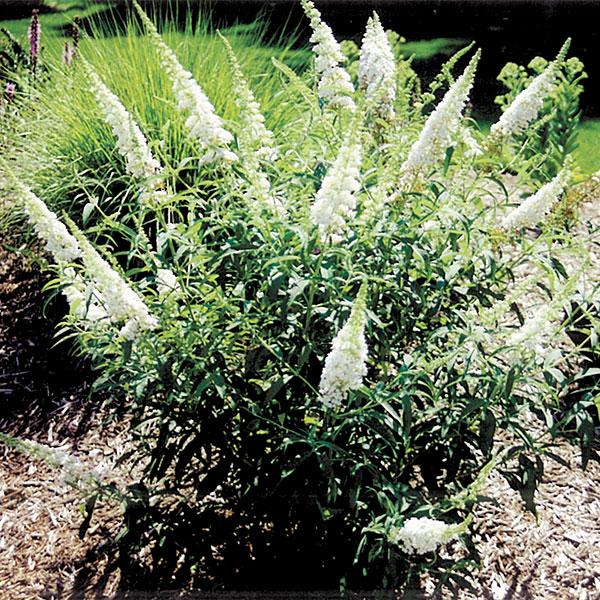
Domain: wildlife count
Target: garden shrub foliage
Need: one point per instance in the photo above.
(308, 311)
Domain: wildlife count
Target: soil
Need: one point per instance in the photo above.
(45, 396)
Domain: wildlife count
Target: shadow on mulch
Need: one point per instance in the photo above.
(39, 375)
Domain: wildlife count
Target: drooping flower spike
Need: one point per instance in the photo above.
(203, 124)
(59, 242)
(334, 87)
(346, 364)
(131, 143)
(121, 302)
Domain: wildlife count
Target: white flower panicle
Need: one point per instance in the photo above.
(335, 86)
(253, 134)
(59, 242)
(83, 299)
(346, 364)
(131, 142)
(536, 207)
(335, 202)
(120, 301)
(526, 106)
(377, 68)
(441, 125)
(528, 103)
(423, 535)
(203, 124)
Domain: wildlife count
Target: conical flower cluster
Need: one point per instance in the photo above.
(335, 202)
(203, 124)
(256, 143)
(527, 105)
(536, 207)
(120, 301)
(59, 242)
(441, 126)
(335, 86)
(377, 68)
(131, 142)
(346, 363)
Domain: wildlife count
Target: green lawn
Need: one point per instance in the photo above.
(588, 152)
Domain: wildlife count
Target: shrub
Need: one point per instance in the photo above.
(315, 314)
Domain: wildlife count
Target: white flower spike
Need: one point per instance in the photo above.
(335, 86)
(203, 124)
(441, 126)
(377, 68)
(346, 363)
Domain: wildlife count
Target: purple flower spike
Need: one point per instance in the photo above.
(34, 33)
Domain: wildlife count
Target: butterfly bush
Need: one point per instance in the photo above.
(202, 123)
(526, 106)
(84, 301)
(59, 241)
(257, 387)
(131, 143)
(120, 301)
(346, 364)
(335, 203)
(377, 68)
(536, 207)
(256, 143)
(335, 86)
(441, 126)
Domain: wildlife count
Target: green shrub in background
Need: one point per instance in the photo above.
(554, 136)
(309, 311)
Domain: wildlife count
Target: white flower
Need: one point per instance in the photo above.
(203, 124)
(534, 330)
(59, 242)
(346, 363)
(131, 142)
(166, 282)
(335, 86)
(526, 106)
(82, 298)
(423, 535)
(377, 68)
(259, 188)
(537, 206)
(120, 301)
(439, 129)
(473, 149)
(335, 202)
(254, 137)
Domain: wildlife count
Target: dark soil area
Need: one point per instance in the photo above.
(39, 374)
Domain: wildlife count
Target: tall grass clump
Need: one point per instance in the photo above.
(332, 313)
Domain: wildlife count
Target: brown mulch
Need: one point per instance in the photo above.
(45, 396)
